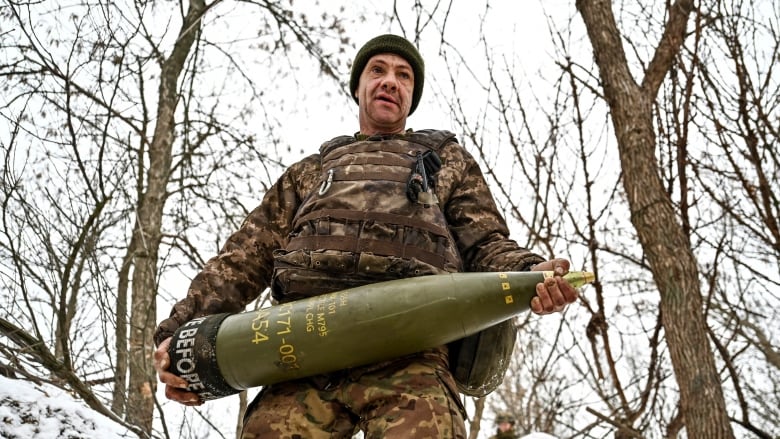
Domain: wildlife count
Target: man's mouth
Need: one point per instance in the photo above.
(385, 98)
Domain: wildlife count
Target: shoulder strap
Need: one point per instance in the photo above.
(335, 143)
(433, 139)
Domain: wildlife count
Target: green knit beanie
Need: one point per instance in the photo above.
(390, 44)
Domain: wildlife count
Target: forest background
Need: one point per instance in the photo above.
(639, 139)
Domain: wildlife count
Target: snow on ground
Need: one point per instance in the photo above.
(30, 411)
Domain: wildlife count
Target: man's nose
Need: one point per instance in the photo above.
(389, 82)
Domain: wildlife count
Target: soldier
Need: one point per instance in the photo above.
(505, 427)
(383, 204)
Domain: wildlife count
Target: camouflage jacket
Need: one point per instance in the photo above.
(244, 267)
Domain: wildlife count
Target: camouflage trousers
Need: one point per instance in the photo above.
(413, 397)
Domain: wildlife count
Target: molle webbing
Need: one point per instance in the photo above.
(381, 159)
(335, 153)
(363, 245)
(360, 245)
(372, 176)
(354, 215)
(386, 161)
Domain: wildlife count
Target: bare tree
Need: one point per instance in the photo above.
(111, 158)
(571, 151)
(709, 85)
(733, 83)
(147, 232)
(663, 240)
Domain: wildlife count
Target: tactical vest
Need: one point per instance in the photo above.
(374, 218)
(360, 226)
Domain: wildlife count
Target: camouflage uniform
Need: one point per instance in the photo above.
(505, 435)
(508, 434)
(414, 396)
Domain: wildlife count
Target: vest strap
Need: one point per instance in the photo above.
(383, 217)
(355, 245)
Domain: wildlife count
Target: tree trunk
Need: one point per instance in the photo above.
(666, 246)
(119, 396)
(147, 232)
(476, 421)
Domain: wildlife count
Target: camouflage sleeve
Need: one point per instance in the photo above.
(477, 225)
(243, 267)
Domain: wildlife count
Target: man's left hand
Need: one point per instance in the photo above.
(554, 293)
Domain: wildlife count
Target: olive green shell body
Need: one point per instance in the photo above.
(223, 354)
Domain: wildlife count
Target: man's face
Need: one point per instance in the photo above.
(385, 94)
(504, 426)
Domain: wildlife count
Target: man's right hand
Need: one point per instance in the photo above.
(175, 386)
